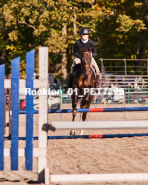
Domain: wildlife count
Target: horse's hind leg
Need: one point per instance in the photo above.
(84, 116)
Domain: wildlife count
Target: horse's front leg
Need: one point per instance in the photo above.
(85, 103)
(74, 106)
(90, 97)
(74, 102)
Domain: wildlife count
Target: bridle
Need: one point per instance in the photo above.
(86, 66)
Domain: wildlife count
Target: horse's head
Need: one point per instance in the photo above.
(86, 61)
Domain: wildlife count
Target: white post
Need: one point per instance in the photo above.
(61, 116)
(125, 66)
(43, 113)
(123, 105)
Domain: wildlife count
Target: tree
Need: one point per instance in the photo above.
(118, 28)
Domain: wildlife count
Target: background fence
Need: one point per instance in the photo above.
(125, 66)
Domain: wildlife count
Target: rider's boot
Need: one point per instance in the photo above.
(70, 79)
(97, 81)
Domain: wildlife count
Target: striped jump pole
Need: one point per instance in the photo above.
(98, 136)
(92, 110)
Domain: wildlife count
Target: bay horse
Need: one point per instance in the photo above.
(84, 77)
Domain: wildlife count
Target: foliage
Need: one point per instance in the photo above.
(118, 28)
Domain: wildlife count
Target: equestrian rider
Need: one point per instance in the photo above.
(86, 43)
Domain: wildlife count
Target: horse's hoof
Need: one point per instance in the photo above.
(72, 132)
(74, 112)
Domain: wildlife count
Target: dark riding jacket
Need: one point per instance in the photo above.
(86, 46)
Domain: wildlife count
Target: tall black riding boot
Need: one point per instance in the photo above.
(70, 79)
(97, 81)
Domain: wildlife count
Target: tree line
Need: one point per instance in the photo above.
(118, 28)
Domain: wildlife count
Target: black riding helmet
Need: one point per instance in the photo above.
(84, 31)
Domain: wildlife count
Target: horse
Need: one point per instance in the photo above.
(84, 77)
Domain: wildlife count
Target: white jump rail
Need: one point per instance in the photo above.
(21, 152)
(68, 125)
(99, 178)
(22, 83)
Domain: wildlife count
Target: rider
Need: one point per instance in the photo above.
(86, 43)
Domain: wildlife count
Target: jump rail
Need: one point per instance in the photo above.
(99, 136)
(91, 110)
(98, 178)
(99, 125)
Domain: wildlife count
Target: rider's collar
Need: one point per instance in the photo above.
(84, 41)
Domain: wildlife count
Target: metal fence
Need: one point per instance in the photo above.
(131, 96)
(125, 66)
(124, 81)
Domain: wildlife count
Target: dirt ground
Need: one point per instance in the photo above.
(85, 156)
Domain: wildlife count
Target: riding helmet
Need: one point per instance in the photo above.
(84, 31)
